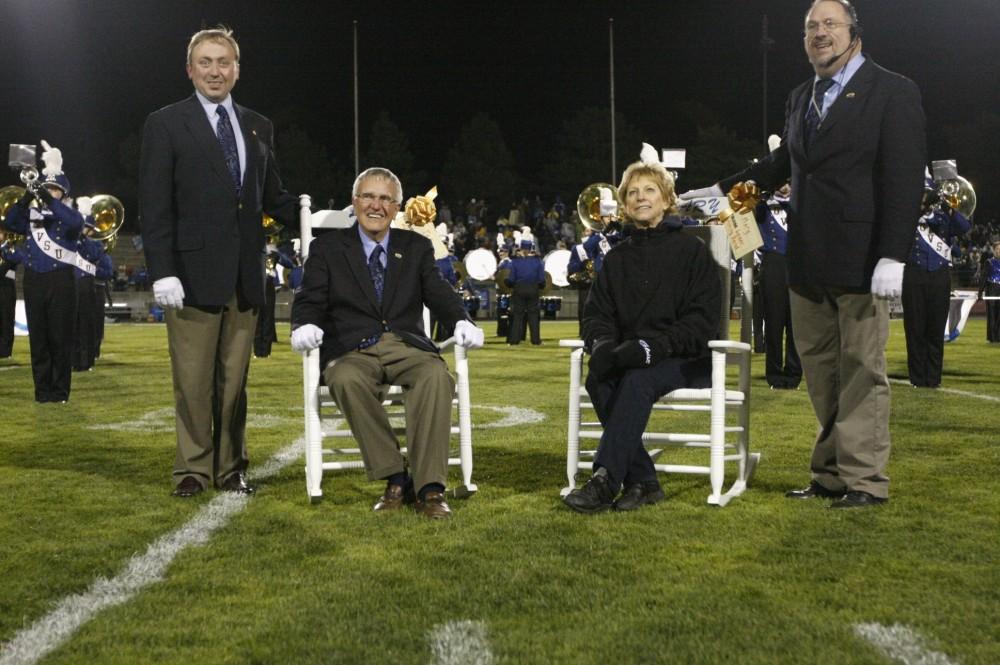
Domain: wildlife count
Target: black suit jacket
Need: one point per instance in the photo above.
(193, 224)
(337, 293)
(856, 190)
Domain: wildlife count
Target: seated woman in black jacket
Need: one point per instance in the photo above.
(651, 312)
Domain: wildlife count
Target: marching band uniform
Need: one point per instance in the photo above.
(439, 330)
(10, 257)
(265, 334)
(102, 297)
(991, 270)
(503, 299)
(592, 250)
(782, 366)
(92, 262)
(52, 232)
(927, 294)
(527, 277)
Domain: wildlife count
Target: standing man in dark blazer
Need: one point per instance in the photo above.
(207, 172)
(362, 297)
(854, 145)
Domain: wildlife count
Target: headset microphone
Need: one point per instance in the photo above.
(854, 38)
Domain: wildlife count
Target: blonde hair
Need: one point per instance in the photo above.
(219, 34)
(658, 174)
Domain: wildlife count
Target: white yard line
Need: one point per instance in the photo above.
(50, 631)
(900, 643)
(460, 643)
(953, 391)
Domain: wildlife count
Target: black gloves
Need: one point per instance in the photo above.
(602, 358)
(638, 353)
(25, 200)
(630, 354)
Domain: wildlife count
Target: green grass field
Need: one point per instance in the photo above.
(86, 487)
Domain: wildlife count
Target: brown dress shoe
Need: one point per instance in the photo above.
(434, 506)
(187, 487)
(394, 498)
(238, 483)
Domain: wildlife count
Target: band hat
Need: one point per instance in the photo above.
(60, 181)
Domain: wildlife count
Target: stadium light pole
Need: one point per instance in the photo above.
(357, 141)
(765, 44)
(611, 76)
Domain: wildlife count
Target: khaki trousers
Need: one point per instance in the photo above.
(841, 341)
(210, 356)
(356, 381)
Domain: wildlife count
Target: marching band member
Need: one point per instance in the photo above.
(927, 287)
(92, 262)
(265, 334)
(10, 257)
(586, 259)
(651, 312)
(991, 287)
(782, 368)
(503, 299)
(527, 278)
(52, 231)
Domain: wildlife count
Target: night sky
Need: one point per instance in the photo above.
(83, 74)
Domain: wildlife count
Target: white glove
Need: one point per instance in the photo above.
(468, 335)
(887, 280)
(306, 338)
(85, 205)
(168, 292)
(712, 192)
(609, 207)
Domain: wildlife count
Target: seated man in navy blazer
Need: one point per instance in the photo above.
(362, 299)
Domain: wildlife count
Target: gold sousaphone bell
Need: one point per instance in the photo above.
(109, 215)
(588, 207)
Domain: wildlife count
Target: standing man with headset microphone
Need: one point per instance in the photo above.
(207, 172)
(854, 146)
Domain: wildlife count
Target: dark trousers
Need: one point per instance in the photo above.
(50, 302)
(265, 334)
(85, 328)
(582, 307)
(101, 296)
(623, 403)
(992, 313)
(759, 339)
(926, 299)
(782, 367)
(8, 307)
(524, 313)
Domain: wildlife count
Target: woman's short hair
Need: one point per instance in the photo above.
(220, 34)
(378, 172)
(658, 174)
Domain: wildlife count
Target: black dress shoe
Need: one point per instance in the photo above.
(814, 490)
(395, 497)
(638, 495)
(594, 497)
(858, 499)
(187, 487)
(238, 484)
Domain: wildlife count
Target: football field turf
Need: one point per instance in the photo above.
(99, 564)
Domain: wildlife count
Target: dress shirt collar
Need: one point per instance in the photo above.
(369, 245)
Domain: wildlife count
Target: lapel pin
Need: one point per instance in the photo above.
(850, 94)
(397, 255)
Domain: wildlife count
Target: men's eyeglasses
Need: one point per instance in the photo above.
(384, 199)
(812, 27)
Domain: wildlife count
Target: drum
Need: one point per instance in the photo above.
(550, 305)
(471, 305)
(481, 264)
(556, 263)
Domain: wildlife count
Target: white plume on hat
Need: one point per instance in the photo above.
(53, 160)
(648, 155)
(773, 142)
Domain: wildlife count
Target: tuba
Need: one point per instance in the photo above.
(588, 207)
(109, 215)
